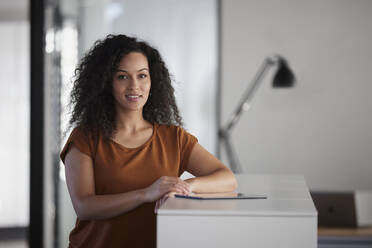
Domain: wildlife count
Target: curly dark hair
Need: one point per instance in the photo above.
(92, 100)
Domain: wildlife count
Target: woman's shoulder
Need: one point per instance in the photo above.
(84, 133)
(80, 131)
(82, 139)
(172, 130)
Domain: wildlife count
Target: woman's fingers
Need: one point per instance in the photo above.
(156, 206)
(171, 194)
(171, 186)
(179, 181)
(178, 189)
(160, 202)
(179, 185)
(165, 185)
(185, 186)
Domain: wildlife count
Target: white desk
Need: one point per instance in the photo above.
(287, 218)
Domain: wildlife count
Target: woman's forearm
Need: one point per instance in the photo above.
(222, 180)
(107, 206)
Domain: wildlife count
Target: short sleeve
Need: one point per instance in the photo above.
(187, 142)
(81, 140)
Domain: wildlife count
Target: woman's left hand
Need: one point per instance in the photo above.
(162, 200)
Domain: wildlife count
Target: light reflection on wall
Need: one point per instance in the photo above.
(69, 59)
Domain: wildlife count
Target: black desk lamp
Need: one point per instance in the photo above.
(283, 78)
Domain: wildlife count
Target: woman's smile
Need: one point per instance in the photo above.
(133, 97)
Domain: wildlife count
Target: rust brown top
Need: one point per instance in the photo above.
(118, 169)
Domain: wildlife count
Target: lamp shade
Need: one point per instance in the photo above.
(284, 78)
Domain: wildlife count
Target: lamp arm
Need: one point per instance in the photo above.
(224, 132)
(244, 103)
(232, 156)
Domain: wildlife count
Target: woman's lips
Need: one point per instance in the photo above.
(133, 98)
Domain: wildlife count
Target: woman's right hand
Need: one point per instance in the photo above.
(165, 185)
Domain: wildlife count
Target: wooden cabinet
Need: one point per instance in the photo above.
(345, 237)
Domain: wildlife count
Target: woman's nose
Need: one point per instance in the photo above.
(134, 84)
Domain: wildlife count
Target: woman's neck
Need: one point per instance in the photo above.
(130, 121)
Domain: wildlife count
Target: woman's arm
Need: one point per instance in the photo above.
(211, 175)
(88, 205)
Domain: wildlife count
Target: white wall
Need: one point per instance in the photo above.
(322, 128)
(14, 123)
(185, 33)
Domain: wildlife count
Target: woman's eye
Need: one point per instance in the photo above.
(143, 75)
(121, 77)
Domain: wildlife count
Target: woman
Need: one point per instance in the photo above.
(128, 148)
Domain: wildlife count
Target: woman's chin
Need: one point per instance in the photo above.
(131, 107)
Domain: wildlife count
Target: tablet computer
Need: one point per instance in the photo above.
(221, 196)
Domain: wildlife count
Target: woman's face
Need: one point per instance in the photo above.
(131, 83)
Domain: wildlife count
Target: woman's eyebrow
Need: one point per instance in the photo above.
(137, 71)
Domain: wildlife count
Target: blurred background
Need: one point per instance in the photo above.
(321, 128)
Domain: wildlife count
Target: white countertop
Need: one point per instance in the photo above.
(288, 195)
